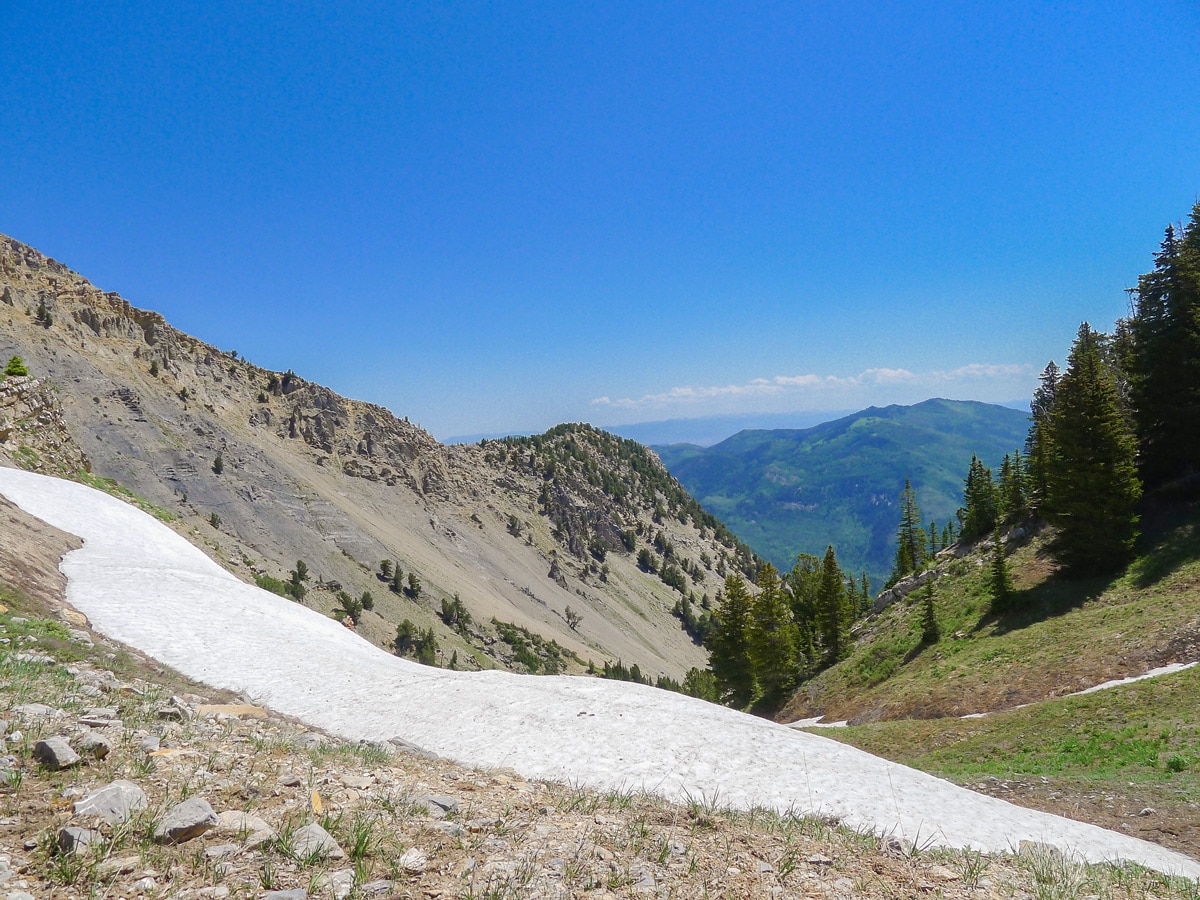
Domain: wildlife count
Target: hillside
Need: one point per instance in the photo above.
(988, 706)
(264, 468)
(786, 492)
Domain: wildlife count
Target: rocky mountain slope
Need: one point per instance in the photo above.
(264, 468)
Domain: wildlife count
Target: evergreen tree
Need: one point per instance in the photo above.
(910, 537)
(1165, 377)
(930, 632)
(1000, 581)
(729, 657)
(1091, 478)
(772, 637)
(833, 611)
(932, 534)
(979, 501)
(1037, 444)
(1011, 494)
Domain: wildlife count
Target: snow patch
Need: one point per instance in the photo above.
(141, 583)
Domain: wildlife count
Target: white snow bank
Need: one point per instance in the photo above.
(142, 584)
(1169, 669)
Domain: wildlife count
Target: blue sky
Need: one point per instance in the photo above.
(496, 217)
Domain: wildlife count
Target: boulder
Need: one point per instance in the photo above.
(55, 753)
(314, 842)
(185, 821)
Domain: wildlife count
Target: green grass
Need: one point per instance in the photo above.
(1146, 731)
(1064, 635)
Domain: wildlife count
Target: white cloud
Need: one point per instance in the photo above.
(817, 388)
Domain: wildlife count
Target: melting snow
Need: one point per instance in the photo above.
(141, 583)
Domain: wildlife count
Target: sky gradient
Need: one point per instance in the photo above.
(497, 217)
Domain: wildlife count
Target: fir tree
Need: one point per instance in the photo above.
(930, 632)
(910, 537)
(1011, 493)
(772, 637)
(1091, 478)
(979, 501)
(1000, 581)
(1165, 377)
(1037, 444)
(729, 657)
(833, 611)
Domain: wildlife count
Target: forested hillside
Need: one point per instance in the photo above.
(786, 492)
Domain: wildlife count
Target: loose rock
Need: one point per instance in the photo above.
(185, 821)
(113, 803)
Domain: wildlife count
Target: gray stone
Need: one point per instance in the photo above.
(37, 711)
(55, 753)
(149, 743)
(220, 851)
(290, 780)
(310, 741)
(250, 830)
(293, 894)
(377, 888)
(339, 884)
(185, 821)
(412, 861)
(92, 744)
(113, 803)
(441, 802)
(314, 842)
(74, 838)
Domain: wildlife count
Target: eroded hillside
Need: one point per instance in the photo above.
(264, 468)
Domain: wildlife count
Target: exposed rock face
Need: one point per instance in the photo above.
(33, 430)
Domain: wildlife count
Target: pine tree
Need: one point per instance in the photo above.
(910, 537)
(1091, 478)
(979, 501)
(1165, 377)
(729, 657)
(1010, 500)
(1000, 581)
(1037, 443)
(833, 611)
(772, 637)
(930, 632)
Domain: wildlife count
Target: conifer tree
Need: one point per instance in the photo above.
(772, 637)
(1011, 492)
(1165, 377)
(1037, 444)
(979, 501)
(1091, 478)
(1000, 581)
(910, 537)
(833, 611)
(729, 657)
(930, 632)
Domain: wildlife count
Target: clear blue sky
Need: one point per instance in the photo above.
(495, 217)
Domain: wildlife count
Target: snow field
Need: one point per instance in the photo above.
(142, 584)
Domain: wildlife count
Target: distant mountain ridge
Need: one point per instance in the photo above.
(794, 491)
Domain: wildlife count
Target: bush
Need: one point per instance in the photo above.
(218, 465)
(16, 368)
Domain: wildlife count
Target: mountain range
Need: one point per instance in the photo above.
(795, 491)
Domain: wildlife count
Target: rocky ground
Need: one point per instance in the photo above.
(120, 779)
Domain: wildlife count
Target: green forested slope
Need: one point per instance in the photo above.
(787, 492)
